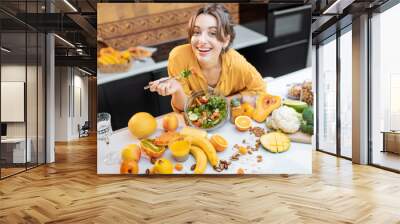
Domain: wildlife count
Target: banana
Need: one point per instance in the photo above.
(201, 159)
(110, 60)
(126, 54)
(207, 148)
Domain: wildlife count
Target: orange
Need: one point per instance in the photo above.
(243, 123)
(219, 142)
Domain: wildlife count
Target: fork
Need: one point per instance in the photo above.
(160, 81)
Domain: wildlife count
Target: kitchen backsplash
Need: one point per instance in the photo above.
(148, 23)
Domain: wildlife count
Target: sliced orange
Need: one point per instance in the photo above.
(219, 142)
(243, 123)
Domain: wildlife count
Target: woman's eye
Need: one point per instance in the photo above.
(196, 33)
(213, 34)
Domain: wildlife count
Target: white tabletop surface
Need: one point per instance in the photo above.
(297, 160)
(244, 38)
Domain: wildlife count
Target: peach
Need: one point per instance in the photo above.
(170, 122)
(129, 167)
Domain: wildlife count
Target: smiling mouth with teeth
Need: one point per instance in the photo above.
(203, 51)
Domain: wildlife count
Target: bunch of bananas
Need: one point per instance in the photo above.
(110, 56)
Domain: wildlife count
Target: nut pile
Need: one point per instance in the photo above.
(306, 93)
(257, 131)
(223, 165)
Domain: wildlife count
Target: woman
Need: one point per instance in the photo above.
(211, 62)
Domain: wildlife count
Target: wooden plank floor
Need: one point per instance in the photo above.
(70, 191)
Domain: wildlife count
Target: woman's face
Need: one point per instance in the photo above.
(205, 44)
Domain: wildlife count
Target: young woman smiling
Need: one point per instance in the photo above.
(211, 60)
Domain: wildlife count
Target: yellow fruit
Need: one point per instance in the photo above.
(107, 50)
(248, 109)
(126, 54)
(265, 104)
(178, 167)
(219, 142)
(142, 124)
(242, 150)
(131, 152)
(170, 122)
(163, 166)
(243, 123)
(275, 142)
(102, 61)
(189, 131)
(206, 146)
(129, 167)
(201, 159)
(109, 59)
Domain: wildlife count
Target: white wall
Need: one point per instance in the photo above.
(61, 103)
(13, 73)
(71, 93)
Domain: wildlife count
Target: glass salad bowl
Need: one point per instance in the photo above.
(206, 110)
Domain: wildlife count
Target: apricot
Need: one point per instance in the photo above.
(129, 167)
(170, 122)
(131, 152)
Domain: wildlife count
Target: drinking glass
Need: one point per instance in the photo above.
(104, 132)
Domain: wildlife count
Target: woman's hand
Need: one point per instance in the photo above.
(165, 88)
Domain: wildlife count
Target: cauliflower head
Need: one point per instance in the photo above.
(285, 119)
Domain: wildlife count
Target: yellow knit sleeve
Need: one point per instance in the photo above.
(175, 66)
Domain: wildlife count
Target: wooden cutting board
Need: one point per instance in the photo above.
(300, 137)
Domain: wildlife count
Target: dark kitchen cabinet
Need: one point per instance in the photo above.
(125, 97)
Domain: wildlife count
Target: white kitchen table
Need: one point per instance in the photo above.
(297, 160)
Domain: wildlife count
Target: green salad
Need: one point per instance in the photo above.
(207, 111)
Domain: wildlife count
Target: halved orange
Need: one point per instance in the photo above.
(219, 142)
(243, 123)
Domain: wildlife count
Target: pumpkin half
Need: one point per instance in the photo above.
(265, 104)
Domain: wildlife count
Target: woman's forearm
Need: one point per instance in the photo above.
(179, 99)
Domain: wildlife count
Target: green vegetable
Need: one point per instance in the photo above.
(186, 73)
(308, 115)
(149, 144)
(193, 116)
(307, 128)
(298, 105)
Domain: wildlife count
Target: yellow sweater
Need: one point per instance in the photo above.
(237, 75)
